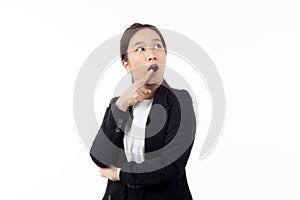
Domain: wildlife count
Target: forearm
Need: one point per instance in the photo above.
(142, 174)
(107, 145)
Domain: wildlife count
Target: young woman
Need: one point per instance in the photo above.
(147, 133)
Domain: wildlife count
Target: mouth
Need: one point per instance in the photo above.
(154, 67)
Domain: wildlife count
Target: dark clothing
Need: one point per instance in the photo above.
(169, 137)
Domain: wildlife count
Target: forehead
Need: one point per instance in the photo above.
(145, 35)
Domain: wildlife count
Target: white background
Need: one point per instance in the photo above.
(255, 46)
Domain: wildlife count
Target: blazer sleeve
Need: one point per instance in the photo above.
(108, 143)
(182, 124)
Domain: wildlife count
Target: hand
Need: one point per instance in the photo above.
(110, 173)
(135, 94)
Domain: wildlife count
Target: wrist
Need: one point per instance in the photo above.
(121, 105)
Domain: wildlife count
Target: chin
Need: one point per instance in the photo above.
(154, 82)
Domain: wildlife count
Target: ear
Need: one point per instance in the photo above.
(126, 65)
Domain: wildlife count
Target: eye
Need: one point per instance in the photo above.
(140, 49)
(157, 46)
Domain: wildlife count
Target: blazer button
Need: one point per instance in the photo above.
(119, 125)
(130, 185)
(109, 197)
(117, 130)
(120, 120)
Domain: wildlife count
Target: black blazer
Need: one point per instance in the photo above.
(169, 137)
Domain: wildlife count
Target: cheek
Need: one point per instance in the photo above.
(138, 72)
(162, 57)
(136, 59)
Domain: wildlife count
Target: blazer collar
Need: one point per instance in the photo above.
(161, 94)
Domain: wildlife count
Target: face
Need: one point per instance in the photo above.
(145, 51)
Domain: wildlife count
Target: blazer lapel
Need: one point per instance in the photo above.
(158, 113)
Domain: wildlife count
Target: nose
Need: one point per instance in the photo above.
(151, 55)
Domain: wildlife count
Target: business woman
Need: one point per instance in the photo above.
(147, 133)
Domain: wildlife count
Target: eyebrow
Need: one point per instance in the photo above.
(143, 42)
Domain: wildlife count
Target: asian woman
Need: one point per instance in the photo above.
(147, 133)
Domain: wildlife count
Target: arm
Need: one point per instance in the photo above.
(177, 147)
(106, 148)
(108, 144)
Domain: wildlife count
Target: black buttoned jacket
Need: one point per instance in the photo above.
(169, 137)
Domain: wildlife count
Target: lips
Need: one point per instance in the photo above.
(154, 67)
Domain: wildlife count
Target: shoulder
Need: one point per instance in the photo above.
(173, 92)
(179, 95)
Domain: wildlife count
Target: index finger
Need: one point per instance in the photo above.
(145, 79)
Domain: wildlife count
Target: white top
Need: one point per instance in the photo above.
(134, 137)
